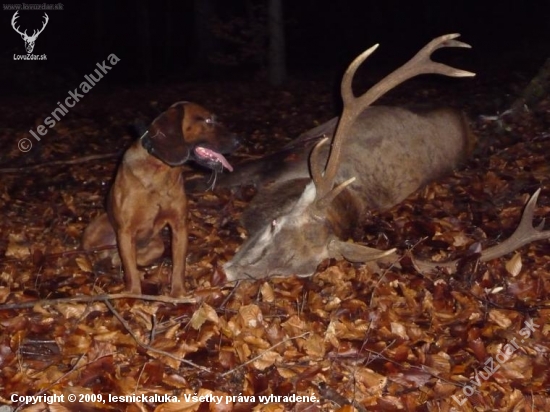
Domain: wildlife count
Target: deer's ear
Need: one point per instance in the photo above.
(356, 253)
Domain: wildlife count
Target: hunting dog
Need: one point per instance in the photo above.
(148, 192)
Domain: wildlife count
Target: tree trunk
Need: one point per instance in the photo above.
(167, 41)
(537, 89)
(205, 10)
(277, 54)
(99, 31)
(144, 36)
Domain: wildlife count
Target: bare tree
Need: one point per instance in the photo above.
(277, 54)
(144, 36)
(205, 12)
(535, 91)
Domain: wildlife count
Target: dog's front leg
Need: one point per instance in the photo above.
(179, 253)
(127, 249)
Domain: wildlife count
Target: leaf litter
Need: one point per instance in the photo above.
(357, 337)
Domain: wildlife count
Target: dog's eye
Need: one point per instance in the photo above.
(210, 120)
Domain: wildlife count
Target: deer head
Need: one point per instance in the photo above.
(29, 40)
(298, 241)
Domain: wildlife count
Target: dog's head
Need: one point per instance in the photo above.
(187, 131)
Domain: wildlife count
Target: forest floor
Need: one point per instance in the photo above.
(348, 337)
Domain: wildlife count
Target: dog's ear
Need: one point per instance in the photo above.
(165, 139)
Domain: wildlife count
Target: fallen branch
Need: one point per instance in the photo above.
(242, 365)
(76, 367)
(59, 163)
(96, 298)
(146, 346)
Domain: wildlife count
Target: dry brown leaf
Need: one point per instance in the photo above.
(250, 316)
(513, 266)
(501, 318)
(171, 332)
(267, 292)
(253, 340)
(18, 246)
(54, 407)
(314, 346)
(370, 381)
(71, 310)
(243, 351)
(107, 336)
(330, 334)
(294, 326)
(439, 363)
(346, 408)
(84, 264)
(399, 330)
(266, 360)
(4, 293)
(203, 314)
(272, 407)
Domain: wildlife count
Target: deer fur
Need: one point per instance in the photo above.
(390, 151)
(378, 156)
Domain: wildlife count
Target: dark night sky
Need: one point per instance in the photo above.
(321, 35)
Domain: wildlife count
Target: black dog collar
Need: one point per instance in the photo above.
(147, 144)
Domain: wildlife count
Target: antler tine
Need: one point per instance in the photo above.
(524, 234)
(346, 88)
(324, 182)
(329, 197)
(315, 162)
(46, 20)
(421, 63)
(37, 32)
(13, 22)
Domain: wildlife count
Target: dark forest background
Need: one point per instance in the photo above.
(189, 40)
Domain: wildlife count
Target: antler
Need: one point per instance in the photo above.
(35, 32)
(353, 106)
(524, 234)
(13, 19)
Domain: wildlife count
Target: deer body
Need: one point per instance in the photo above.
(378, 156)
(391, 152)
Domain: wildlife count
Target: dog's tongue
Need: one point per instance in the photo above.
(204, 152)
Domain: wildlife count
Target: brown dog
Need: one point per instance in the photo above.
(148, 191)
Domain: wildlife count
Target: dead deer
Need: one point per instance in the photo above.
(379, 155)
